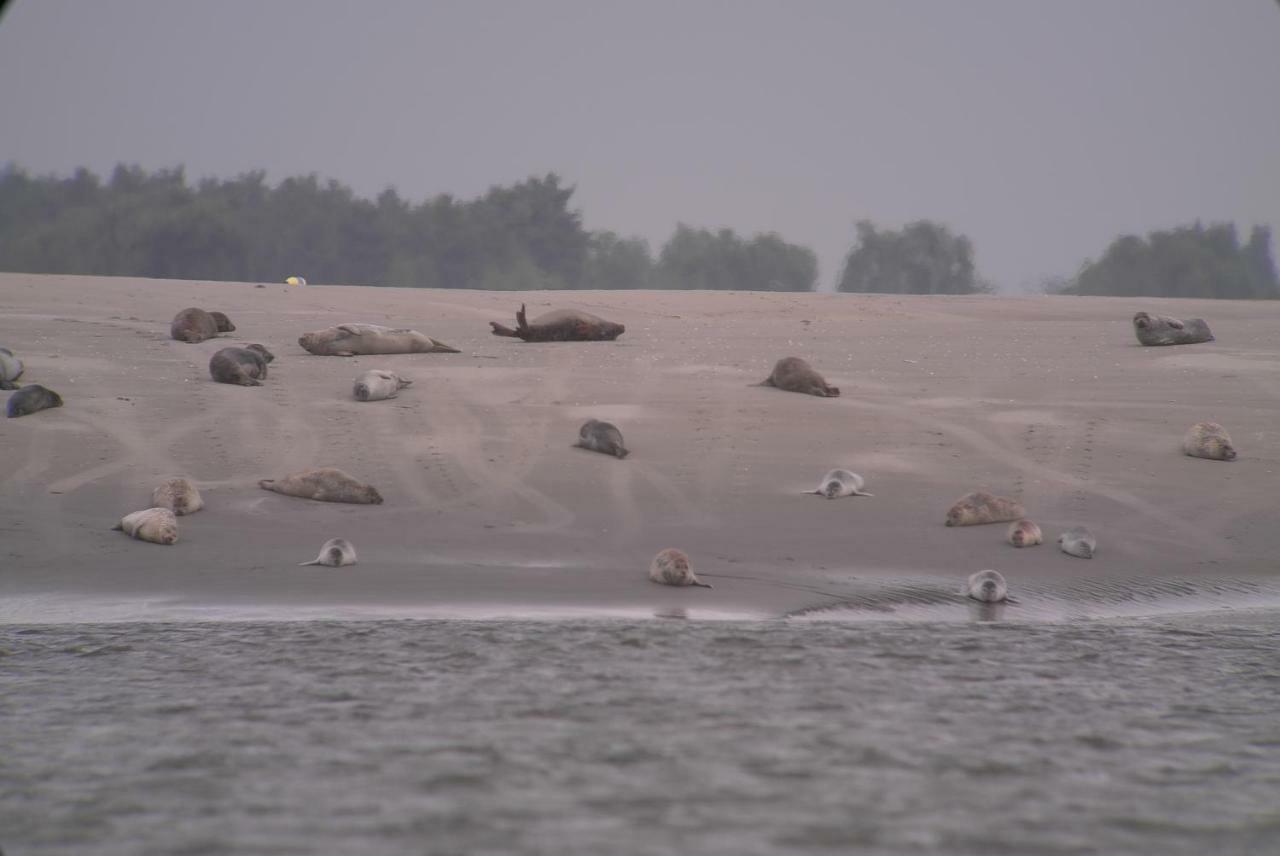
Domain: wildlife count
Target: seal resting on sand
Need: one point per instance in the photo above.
(987, 587)
(561, 325)
(795, 375)
(326, 484)
(1078, 541)
(32, 398)
(601, 437)
(1023, 533)
(377, 384)
(157, 525)
(195, 325)
(179, 496)
(1208, 440)
(335, 553)
(1162, 330)
(348, 340)
(840, 483)
(10, 369)
(671, 568)
(980, 507)
(245, 366)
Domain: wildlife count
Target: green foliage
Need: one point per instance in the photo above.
(615, 262)
(1189, 261)
(699, 258)
(922, 258)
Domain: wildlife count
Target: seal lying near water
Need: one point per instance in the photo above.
(378, 384)
(245, 366)
(348, 340)
(157, 525)
(841, 483)
(326, 484)
(601, 437)
(1024, 533)
(179, 496)
(979, 507)
(1078, 541)
(1162, 330)
(1208, 440)
(987, 587)
(32, 398)
(671, 568)
(195, 325)
(561, 325)
(795, 375)
(11, 369)
(335, 553)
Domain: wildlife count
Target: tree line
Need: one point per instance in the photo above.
(522, 236)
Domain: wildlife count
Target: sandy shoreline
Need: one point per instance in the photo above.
(488, 506)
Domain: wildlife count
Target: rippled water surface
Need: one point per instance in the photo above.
(1157, 735)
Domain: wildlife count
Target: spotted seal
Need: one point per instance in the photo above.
(987, 587)
(194, 325)
(31, 398)
(349, 340)
(671, 568)
(979, 507)
(1078, 541)
(840, 483)
(561, 325)
(334, 553)
(245, 366)
(603, 437)
(178, 495)
(1208, 440)
(378, 384)
(1162, 330)
(11, 369)
(157, 525)
(326, 484)
(796, 375)
(1024, 533)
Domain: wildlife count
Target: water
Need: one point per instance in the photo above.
(1148, 735)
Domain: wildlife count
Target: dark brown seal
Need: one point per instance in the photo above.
(601, 437)
(796, 375)
(1161, 330)
(326, 484)
(32, 398)
(979, 507)
(561, 325)
(245, 366)
(195, 325)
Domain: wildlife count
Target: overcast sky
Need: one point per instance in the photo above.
(1039, 129)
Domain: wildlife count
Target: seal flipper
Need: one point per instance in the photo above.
(701, 584)
(522, 324)
(503, 330)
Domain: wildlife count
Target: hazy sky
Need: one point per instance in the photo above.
(1040, 129)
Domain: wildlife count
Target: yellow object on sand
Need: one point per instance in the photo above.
(296, 280)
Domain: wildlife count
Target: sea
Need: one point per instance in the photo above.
(821, 733)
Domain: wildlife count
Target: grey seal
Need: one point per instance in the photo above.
(1024, 533)
(178, 495)
(378, 384)
(601, 437)
(1208, 440)
(157, 525)
(32, 398)
(979, 507)
(349, 340)
(841, 483)
(245, 366)
(987, 587)
(671, 568)
(561, 325)
(796, 375)
(1162, 330)
(194, 325)
(11, 369)
(334, 553)
(326, 484)
(1078, 541)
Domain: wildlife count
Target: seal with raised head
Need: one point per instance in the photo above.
(349, 340)
(671, 568)
(796, 375)
(1024, 533)
(157, 525)
(11, 369)
(841, 483)
(195, 325)
(1078, 541)
(561, 325)
(378, 384)
(1208, 440)
(601, 437)
(32, 398)
(1163, 330)
(987, 587)
(326, 484)
(245, 366)
(335, 553)
(178, 495)
(974, 509)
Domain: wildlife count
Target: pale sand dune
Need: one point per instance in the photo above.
(488, 505)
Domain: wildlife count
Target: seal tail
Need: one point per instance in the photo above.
(622, 453)
(119, 527)
(312, 562)
(267, 484)
(701, 584)
(862, 493)
(438, 347)
(502, 330)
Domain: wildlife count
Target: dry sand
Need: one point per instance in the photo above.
(489, 509)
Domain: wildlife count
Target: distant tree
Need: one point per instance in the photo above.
(614, 262)
(921, 258)
(699, 258)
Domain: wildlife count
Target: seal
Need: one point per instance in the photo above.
(245, 366)
(194, 325)
(32, 398)
(987, 587)
(1024, 533)
(335, 553)
(326, 484)
(1078, 541)
(980, 507)
(561, 325)
(1208, 440)
(840, 483)
(601, 437)
(178, 495)
(796, 375)
(157, 525)
(11, 369)
(671, 568)
(348, 340)
(377, 384)
(1154, 330)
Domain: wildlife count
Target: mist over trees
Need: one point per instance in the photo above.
(1189, 261)
(920, 258)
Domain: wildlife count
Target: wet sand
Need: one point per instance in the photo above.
(489, 509)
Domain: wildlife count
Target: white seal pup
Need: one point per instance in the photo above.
(335, 553)
(378, 384)
(157, 525)
(987, 587)
(11, 369)
(179, 496)
(1024, 533)
(601, 437)
(671, 568)
(841, 483)
(1078, 541)
(1208, 440)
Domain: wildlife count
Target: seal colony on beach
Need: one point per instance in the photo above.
(561, 325)
(796, 375)
(603, 437)
(194, 325)
(349, 340)
(325, 484)
(1208, 440)
(671, 568)
(1153, 330)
